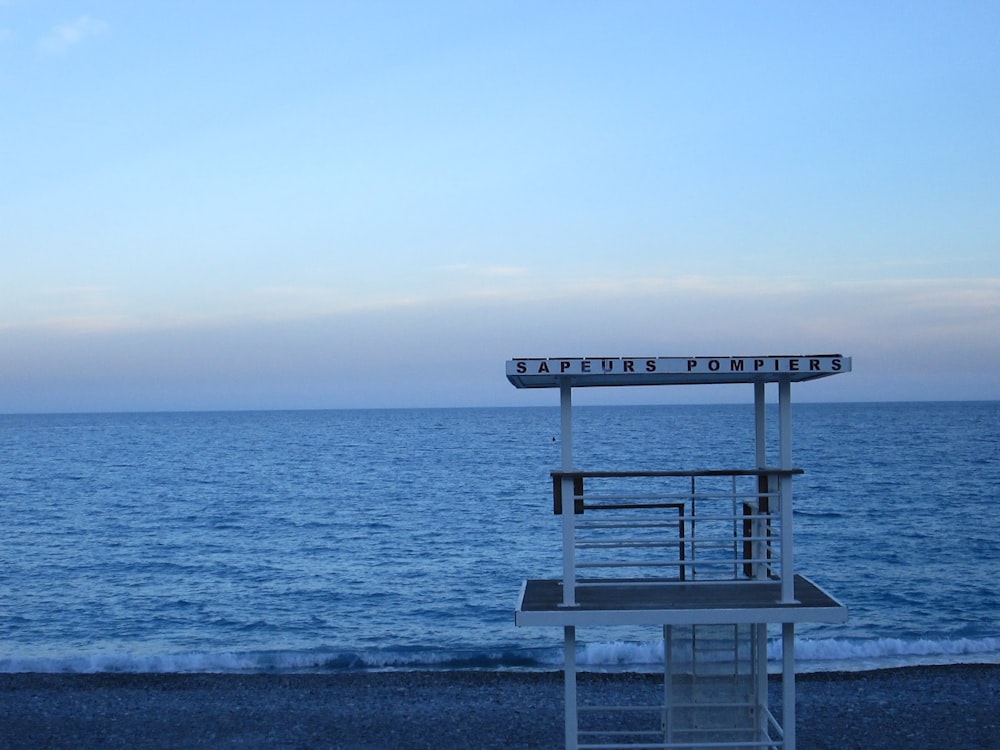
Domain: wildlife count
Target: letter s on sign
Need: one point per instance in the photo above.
(522, 367)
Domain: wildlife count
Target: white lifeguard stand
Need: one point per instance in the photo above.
(704, 554)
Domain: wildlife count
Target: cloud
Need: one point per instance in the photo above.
(910, 339)
(487, 271)
(65, 36)
(295, 301)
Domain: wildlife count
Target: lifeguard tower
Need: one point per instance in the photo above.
(704, 554)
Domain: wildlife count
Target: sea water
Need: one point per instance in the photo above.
(398, 539)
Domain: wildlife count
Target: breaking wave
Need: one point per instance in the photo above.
(812, 655)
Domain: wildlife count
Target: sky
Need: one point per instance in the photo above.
(256, 205)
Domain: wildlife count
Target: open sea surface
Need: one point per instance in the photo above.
(398, 539)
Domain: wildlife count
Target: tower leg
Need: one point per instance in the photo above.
(569, 680)
(759, 655)
(788, 683)
(667, 719)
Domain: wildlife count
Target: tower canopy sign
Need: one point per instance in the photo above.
(551, 372)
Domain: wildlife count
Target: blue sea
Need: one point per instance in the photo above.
(398, 539)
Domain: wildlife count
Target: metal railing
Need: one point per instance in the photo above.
(637, 526)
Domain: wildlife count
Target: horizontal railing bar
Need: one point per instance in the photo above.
(660, 707)
(697, 473)
(660, 528)
(686, 735)
(689, 563)
(700, 514)
(702, 520)
(691, 546)
(668, 524)
(703, 543)
(635, 740)
(600, 582)
(597, 525)
(673, 546)
(633, 564)
(674, 745)
(719, 542)
(631, 506)
(705, 496)
(732, 562)
(627, 544)
(677, 564)
(675, 522)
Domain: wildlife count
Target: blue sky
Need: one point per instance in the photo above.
(242, 205)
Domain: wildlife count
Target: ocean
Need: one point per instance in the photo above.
(398, 539)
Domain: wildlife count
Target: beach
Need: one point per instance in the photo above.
(914, 707)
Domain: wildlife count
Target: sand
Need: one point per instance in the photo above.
(917, 707)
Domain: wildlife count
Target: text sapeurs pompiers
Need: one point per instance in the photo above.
(705, 555)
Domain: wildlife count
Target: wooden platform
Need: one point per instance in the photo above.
(675, 602)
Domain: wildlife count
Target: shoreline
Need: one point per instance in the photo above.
(954, 706)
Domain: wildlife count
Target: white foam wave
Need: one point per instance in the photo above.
(176, 663)
(284, 661)
(812, 655)
(840, 653)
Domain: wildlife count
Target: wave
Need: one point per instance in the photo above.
(812, 655)
(287, 662)
(821, 655)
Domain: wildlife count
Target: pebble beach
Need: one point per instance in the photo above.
(915, 707)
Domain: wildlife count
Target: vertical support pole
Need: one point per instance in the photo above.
(569, 505)
(760, 416)
(785, 422)
(569, 683)
(787, 564)
(667, 717)
(761, 527)
(785, 485)
(569, 563)
(758, 633)
(566, 423)
(788, 683)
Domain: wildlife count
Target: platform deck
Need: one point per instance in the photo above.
(675, 602)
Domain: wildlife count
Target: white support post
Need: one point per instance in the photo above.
(760, 417)
(569, 563)
(569, 504)
(758, 632)
(788, 684)
(667, 717)
(785, 495)
(761, 527)
(566, 424)
(785, 422)
(787, 565)
(569, 682)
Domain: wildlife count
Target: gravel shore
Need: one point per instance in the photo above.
(917, 707)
